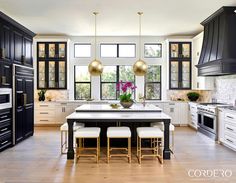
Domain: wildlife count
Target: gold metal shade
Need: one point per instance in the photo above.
(140, 68)
(95, 68)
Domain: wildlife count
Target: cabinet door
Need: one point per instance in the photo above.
(185, 50)
(174, 74)
(174, 50)
(5, 75)
(17, 47)
(41, 53)
(61, 50)
(172, 110)
(52, 74)
(51, 50)
(5, 42)
(19, 109)
(61, 74)
(41, 75)
(186, 75)
(28, 59)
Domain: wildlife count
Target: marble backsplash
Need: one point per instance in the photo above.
(225, 89)
(205, 96)
(53, 95)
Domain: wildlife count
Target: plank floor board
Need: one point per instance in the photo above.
(38, 160)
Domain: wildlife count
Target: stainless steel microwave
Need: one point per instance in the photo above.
(5, 98)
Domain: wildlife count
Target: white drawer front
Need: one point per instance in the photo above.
(45, 113)
(230, 128)
(230, 140)
(230, 117)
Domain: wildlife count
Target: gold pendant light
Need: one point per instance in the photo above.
(140, 66)
(95, 67)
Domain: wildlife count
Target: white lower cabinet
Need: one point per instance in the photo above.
(178, 112)
(193, 114)
(227, 128)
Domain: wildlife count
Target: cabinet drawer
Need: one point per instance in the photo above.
(5, 128)
(230, 140)
(230, 128)
(44, 120)
(5, 140)
(5, 114)
(230, 117)
(44, 113)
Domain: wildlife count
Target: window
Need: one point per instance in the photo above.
(153, 83)
(82, 50)
(82, 83)
(152, 50)
(111, 76)
(118, 50)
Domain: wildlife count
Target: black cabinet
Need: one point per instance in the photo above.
(5, 45)
(51, 65)
(5, 75)
(27, 51)
(17, 47)
(5, 128)
(24, 107)
(180, 65)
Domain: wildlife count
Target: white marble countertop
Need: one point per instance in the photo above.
(108, 108)
(118, 116)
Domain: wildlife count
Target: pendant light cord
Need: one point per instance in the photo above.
(140, 14)
(95, 34)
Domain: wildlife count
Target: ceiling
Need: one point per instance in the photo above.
(116, 17)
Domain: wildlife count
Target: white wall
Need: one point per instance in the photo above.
(95, 81)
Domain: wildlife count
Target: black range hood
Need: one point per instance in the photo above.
(218, 55)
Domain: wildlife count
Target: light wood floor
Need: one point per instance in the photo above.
(38, 160)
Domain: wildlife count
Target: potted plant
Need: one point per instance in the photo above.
(41, 94)
(193, 96)
(126, 91)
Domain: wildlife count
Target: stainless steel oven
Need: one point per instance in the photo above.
(5, 98)
(207, 121)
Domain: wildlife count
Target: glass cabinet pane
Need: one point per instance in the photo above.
(174, 50)
(62, 50)
(62, 74)
(185, 74)
(41, 50)
(51, 74)
(41, 75)
(186, 50)
(174, 74)
(51, 50)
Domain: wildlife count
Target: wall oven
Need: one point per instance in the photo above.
(5, 98)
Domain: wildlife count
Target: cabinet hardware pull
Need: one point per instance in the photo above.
(43, 105)
(230, 117)
(4, 129)
(229, 129)
(25, 99)
(43, 120)
(43, 112)
(229, 140)
(2, 117)
(4, 142)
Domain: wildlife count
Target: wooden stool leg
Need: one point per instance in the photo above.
(137, 147)
(129, 150)
(140, 149)
(108, 149)
(97, 150)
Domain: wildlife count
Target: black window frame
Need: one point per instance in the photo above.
(117, 49)
(81, 82)
(117, 80)
(154, 82)
(83, 44)
(152, 44)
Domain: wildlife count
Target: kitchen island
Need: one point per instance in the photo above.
(102, 113)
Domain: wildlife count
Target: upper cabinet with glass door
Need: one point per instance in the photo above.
(180, 50)
(51, 50)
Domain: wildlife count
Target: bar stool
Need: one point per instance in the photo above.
(118, 132)
(87, 133)
(64, 134)
(162, 127)
(150, 133)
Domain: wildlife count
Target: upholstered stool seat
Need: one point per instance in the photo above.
(64, 134)
(87, 133)
(119, 132)
(161, 126)
(156, 149)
